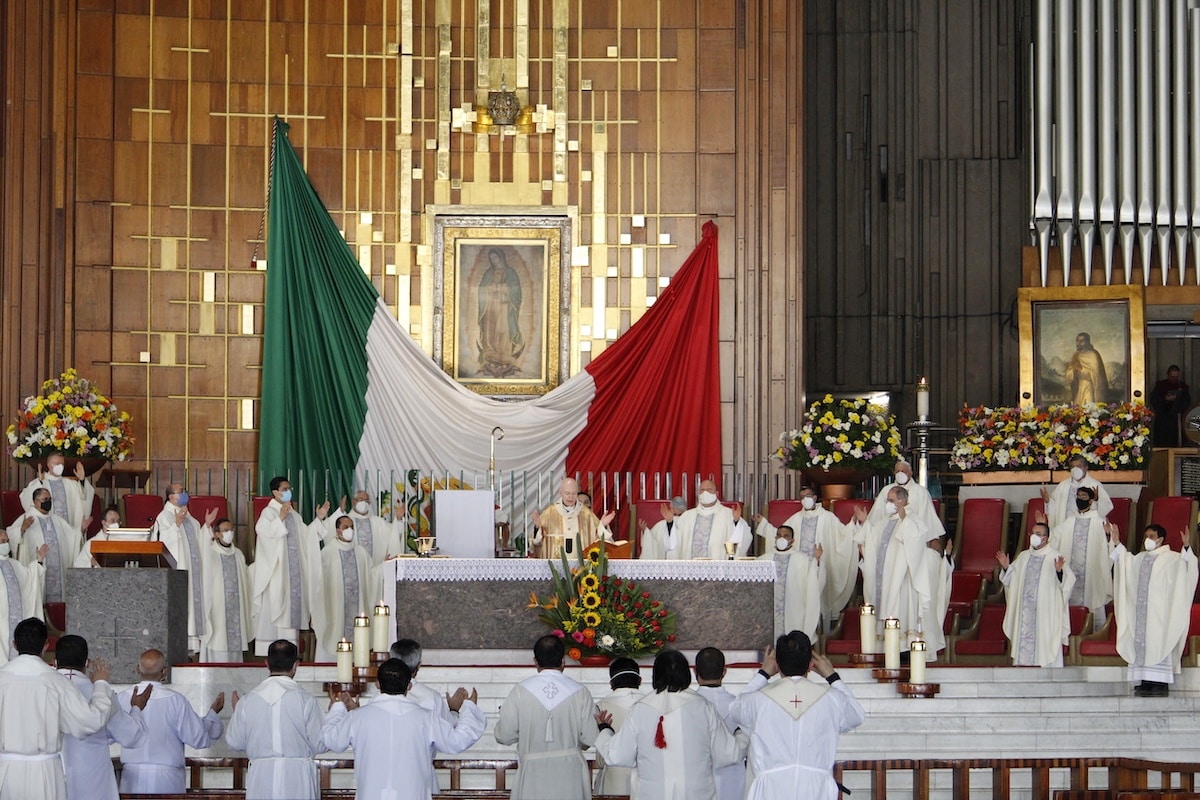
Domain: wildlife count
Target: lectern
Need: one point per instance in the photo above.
(139, 602)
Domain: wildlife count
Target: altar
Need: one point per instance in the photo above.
(483, 603)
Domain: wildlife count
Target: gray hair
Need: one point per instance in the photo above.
(408, 651)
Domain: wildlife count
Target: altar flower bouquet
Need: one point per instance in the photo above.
(842, 433)
(599, 614)
(1109, 436)
(71, 417)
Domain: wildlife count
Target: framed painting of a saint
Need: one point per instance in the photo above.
(1082, 345)
(504, 281)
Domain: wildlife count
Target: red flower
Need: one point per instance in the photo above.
(671, 637)
(639, 605)
(645, 595)
(628, 615)
(662, 613)
(616, 581)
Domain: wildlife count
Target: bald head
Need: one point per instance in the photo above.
(568, 491)
(152, 666)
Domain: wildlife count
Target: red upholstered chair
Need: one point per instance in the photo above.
(844, 639)
(984, 641)
(141, 509)
(199, 505)
(982, 530)
(97, 517)
(1174, 514)
(778, 511)
(1122, 516)
(1081, 625)
(10, 506)
(258, 505)
(1191, 650)
(966, 594)
(844, 509)
(1033, 507)
(1099, 648)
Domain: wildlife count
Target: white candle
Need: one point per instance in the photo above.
(345, 662)
(891, 643)
(381, 624)
(916, 662)
(866, 629)
(923, 399)
(362, 641)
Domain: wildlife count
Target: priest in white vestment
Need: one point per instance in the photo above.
(1082, 538)
(158, 766)
(188, 544)
(625, 681)
(226, 598)
(558, 525)
(794, 723)
(710, 674)
(896, 577)
(920, 504)
(21, 589)
(40, 708)
(109, 521)
(674, 737)
(661, 541)
(742, 534)
(286, 574)
(705, 528)
(839, 559)
(799, 581)
(347, 589)
(551, 720)
(393, 736)
(1152, 602)
(940, 567)
(38, 527)
(1037, 585)
(278, 727)
(71, 496)
(379, 537)
(86, 760)
(1060, 505)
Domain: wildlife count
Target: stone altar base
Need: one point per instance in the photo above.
(122, 612)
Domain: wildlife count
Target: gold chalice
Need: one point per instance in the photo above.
(730, 550)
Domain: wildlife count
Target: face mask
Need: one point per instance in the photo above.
(1035, 541)
(285, 496)
(182, 499)
(707, 498)
(782, 543)
(362, 507)
(46, 505)
(901, 478)
(808, 503)
(346, 535)
(1149, 544)
(4, 548)
(57, 470)
(889, 508)
(1076, 473)
(1082, 503)
(226, 538)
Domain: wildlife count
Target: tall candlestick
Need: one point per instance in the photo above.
(345, 661)
(923, 399)
(891, 643)
(916, 661)
(381, 625)
(866, 629)
(362, 641)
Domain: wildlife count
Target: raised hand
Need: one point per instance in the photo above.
(769, 665)
(210, 516)
(901, 511)
(757, 518)
(80, 472)
(860, 515)
(737, 512)
(1003, 559)
(821, 665)
(949, 548)
(284, 510)
(474, 696)
(233, 700)
(455, 700)
(1059, 563)
(603, 718)
(139, 699)
(41, 552)
(87, 523)
(642, 526)
(323, 510)
(349, 702)
(1040, 516)
(41, 471)
(1045, 498)
(668, 513)
(608, 517)
(27, 523)
(97, 669)
(342, 504)
(218, 703)
(181, 516)
(818, 551)
(1186, 536)
(536, 516)
(1110, 530)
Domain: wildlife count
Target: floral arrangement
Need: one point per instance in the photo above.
(70, 417)
(600, 614)
(842, 433)
(1113, 436)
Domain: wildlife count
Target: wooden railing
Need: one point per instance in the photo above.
(1058, 778)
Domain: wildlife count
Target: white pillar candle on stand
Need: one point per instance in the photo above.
(891, 643)
(866, 629)
(362, 641)
(381, 623)
(916, 661)
(923, 399)
(345, 661)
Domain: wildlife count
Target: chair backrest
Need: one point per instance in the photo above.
(982, 522)
(1079, 617)
(1194, 622)
(648, 511)
(97, 515)
(850, 623)
(10, 506)
(258, 505)
(844, 509)
(1122, 517)
(1033, 507)
(991, 622)
(965, 586)
(1174, 514)
(141, 509)
(199, 506)
(779, 511)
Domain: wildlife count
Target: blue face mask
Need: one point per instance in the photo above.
(183, 498)
(285, 496)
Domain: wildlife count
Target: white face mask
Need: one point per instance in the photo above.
(362, 507)
(889, 508)
(901, 478)
(227, 537)
(1149, 544)
(346, 535)
(808, 503)
(1076, 473)
(1035, 541)
(782, 543)
(57, 470)
(4, 549)
(707, 498)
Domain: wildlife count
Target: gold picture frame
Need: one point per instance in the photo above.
(502, 284)
(1082, 344)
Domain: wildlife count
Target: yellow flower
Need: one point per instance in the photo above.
(533, 601)
(589, 582)
(590, 600)
(591, 618)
